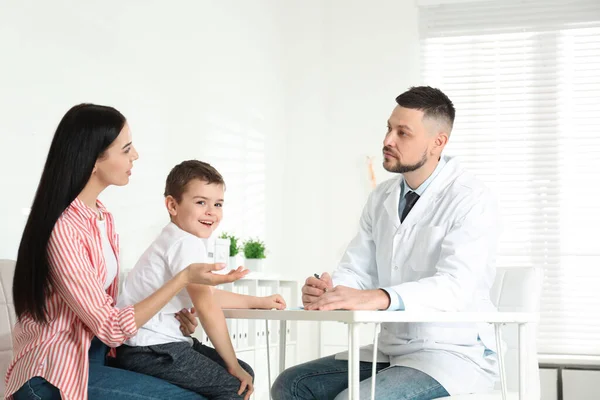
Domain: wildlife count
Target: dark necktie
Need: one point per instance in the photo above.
(411, 199)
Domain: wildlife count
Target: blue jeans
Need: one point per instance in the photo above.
(327, 378)
(107, 382)
(36, 389)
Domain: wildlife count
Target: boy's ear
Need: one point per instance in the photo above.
(171, 204)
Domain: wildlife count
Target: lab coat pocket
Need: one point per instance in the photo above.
(450, 333)
(426, 247)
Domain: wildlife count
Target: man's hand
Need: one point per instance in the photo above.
(314, 288)
(188, 321)
(345, 298)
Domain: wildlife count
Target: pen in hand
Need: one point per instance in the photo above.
(318, 277)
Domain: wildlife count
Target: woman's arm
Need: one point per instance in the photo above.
(75, 280)
(199, 274)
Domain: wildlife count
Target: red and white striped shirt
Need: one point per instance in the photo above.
(78, 308)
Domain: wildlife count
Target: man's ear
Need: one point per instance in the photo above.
(171, 205)
(440, 142)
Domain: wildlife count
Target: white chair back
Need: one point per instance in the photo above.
(7, 317)
(518, 290)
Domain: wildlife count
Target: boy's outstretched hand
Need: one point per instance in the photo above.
(274, 301)
(201, 273)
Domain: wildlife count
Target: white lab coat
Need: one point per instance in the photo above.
(440, 258)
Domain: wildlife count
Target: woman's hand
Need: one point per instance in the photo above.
(188, 321)
(201, 273)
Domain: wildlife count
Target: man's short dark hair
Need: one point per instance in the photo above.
(184, 173)
(433, 102)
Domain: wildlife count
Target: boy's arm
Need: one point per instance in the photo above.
(235, 300)
(213, 322)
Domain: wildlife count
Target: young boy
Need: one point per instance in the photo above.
(194, 198)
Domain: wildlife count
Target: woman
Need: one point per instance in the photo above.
(66, 275)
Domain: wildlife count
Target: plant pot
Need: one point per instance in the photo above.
(221, 254)
(255, 264)
(233, 264)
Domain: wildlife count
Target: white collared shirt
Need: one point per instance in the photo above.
(170, 253)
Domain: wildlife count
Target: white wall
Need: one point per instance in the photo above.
(307, 84)
(189, 76)
(350, 60)
(344, 72)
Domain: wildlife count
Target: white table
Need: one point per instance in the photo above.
(354, 318)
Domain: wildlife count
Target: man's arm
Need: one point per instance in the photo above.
(465, 264)
(345, 298)
(356, 270)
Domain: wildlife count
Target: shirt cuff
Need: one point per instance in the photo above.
(396, 302)
(127, 321)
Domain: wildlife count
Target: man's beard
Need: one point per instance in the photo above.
(400, 168)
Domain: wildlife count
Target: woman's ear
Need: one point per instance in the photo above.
(171, 205)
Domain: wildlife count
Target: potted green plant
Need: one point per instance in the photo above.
(254, 253)
(234, 249)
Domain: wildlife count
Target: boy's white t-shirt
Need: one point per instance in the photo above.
(172, 251)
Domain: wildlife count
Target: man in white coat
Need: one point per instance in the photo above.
(426, 241)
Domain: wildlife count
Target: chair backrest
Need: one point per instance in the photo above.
(519, 289)
(7, 317)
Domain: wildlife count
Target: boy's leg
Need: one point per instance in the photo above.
(400, 383)
(120, 384)
(216, 357)
(180, 364)
(320, 379)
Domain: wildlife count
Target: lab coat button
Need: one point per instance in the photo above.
(396, 267)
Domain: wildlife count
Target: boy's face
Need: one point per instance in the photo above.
(200, 209)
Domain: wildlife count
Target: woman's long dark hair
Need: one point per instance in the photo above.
(83, 134)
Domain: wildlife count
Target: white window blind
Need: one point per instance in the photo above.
(525, 79)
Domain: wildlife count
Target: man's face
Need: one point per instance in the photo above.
(407, 141)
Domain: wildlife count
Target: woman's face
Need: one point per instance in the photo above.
(115, 164)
